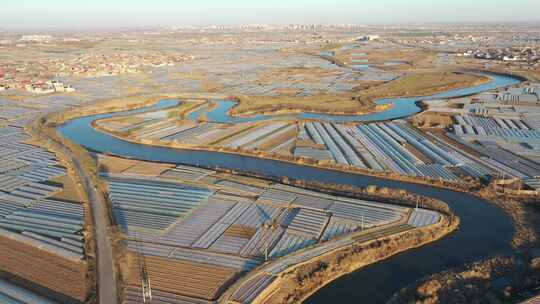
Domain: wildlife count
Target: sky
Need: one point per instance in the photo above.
(72, 14)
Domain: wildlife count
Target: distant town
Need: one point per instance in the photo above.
(271, 164)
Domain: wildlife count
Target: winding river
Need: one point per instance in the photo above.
(485, 230)
(401, 107)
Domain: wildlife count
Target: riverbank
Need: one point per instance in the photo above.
(499, 279)
(300, 282)
(516, 206)
(296, 283)
(383, 195)
(413, 85)
(496, 280)
(288, 109)
(307, 162)
(468, 187)
(457, 186)
(504, 203)
(466, 205)
(471, 187)
(462, 185)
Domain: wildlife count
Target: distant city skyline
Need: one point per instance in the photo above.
(65, 14)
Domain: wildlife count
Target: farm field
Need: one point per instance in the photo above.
(385, 57)
(489, 136)
(498, 129)
(394, 147)
(13, 294)
(323, 103)
(69, 190)
(199, 233)
(199, 281)
(52, 275)
(42, 221)
(187, 222)
(422, 84)
(363, 101)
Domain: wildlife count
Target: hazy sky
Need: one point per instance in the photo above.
(128, 13)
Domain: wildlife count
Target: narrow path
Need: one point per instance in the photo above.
(107, 290)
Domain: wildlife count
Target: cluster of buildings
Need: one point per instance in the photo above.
(322, 27)
(35, 76)
(517, 54)
(36, 38)
(283, 40)
(96, 65)
(22, 75)
(368, 38)
(270, 27)
(444, 40)
(52, 86)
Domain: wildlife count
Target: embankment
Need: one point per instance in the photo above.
(298, 283)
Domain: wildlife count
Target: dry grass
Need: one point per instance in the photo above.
(240, 231)
(297, 284)
(418, 154)
(324, 103)
(414, 84)
(469, 284)
(262, 183)
(148, 168)
(379, 57)
(308, 74)
(119, 122)
(114, 164)
(433, 119)
(533, 74)
(422, 84)
(70, 190)
(185, 108)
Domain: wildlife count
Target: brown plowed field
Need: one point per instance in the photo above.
(184, 278)
(44, 269)
(240, 231)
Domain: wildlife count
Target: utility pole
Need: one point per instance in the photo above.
(145, 278)
(145, 282)
(272, 225)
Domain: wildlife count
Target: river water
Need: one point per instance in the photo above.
(485, 230)
(401, 107)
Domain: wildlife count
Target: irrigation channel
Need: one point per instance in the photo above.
(485, 230)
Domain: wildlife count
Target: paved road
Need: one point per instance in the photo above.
(107, 291)
(106, 271)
